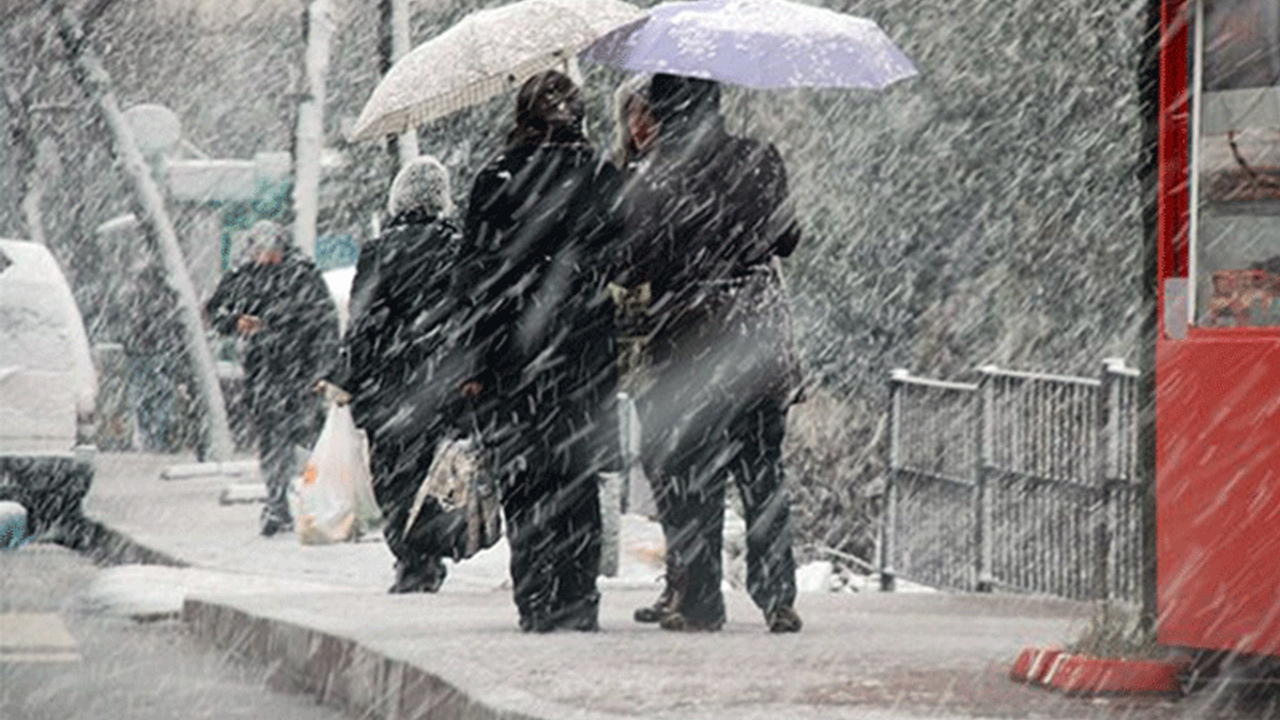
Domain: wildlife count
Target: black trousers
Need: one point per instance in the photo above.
(286, 417)
(690, 474)
(553, 527)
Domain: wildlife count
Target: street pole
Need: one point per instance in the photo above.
(395, 43)
(306, 185)
(1148, 171)
(95, 81)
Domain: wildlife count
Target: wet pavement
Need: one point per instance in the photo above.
(62, 659)
(319, 619)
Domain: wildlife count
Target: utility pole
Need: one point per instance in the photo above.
(159, 232)
(318, 28)
(394, 42)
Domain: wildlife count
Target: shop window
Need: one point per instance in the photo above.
(1235, 179)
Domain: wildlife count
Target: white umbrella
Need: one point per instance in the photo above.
(486, 53)
(758, 44)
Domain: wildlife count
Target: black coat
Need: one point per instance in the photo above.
(708, 213)
(151, 324)
(542, 224)
(400, 304)
(299, 342)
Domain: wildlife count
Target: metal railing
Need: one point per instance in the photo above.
(1023, 482)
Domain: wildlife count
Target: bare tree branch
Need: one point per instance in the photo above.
(17, 94)
(96, 83)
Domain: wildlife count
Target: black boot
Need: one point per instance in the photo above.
(653, 613)
(677, 622)
(582, 615)
(274, 522)
(686, 612)
(784, 620)
(427, 576)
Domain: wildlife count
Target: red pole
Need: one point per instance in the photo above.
(1173, 149)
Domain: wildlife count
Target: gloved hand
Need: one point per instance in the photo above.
(332, 392)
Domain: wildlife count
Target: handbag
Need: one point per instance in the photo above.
(461, 480)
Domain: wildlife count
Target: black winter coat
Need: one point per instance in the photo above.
(542, 225)
(400, 304)
(299, 342)
(150, 324)
(708, 213)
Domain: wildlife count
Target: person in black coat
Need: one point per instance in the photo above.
(153, 342)
(279, 303)
(541, 227)
(710, 214)
(400, 304)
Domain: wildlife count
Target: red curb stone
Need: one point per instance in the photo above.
(1090, 675)
(1033, 664)
(1021, 670)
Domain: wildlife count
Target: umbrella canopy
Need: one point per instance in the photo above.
(486, 53)
(759, 44)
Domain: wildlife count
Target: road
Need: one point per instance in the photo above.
(62, 658)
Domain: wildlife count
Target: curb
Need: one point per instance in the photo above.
(108, 546)
(343, 673)
(1078, 674)
(1033, 664)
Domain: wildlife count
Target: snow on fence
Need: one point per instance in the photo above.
(1021, 482)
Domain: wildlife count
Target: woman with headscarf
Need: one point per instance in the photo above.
(540, 228)
(400, 302)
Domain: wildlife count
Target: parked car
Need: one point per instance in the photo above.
(48, 389)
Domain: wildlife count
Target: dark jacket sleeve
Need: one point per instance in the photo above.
(303, 324)
(227, 303)
(353, 355)
(606, 265)
(368, 270)
(486, 217)
(484, 327)
(323, 327)
(781, 224)
(642, 248)
(609, 238)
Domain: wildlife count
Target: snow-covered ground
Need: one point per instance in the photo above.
(154, 590)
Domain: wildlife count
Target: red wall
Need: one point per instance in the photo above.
(1217, 432)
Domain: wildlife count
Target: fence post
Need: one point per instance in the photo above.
(889, 518)
(981, 458)
(626, 431)
(1108, 417)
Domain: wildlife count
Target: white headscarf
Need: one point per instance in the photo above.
(422, 184)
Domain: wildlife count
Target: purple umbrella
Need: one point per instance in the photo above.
(757, 44)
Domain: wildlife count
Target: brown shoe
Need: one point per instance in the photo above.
(784, 620)
(676, 622)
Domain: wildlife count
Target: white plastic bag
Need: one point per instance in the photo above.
(334, 494)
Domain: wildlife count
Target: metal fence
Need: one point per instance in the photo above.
(1022, 482)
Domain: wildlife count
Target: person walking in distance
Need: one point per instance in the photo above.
(279, 304)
